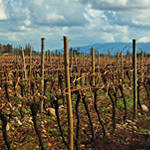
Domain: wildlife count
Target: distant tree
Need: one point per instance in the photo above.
(1, 48)
(27, 49)
(9, 48)
(78, 50)
(145, 53)
(6, 48)
(56, 52)
(91, 52)
(128, 53)
(108, 52)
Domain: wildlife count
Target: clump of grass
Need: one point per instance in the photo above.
(120, 104)
(145, 131)
(17, 113)
(45, 144)
(26, 111)
(145, 117)
(18, 100)
(129, 104)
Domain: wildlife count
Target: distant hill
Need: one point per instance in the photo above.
(112, 47)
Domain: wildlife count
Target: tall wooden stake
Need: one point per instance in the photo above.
(83, 59)
(75, 58)
(93, 65)
(135, 78)
(30, 67)
(121, 64)
(142, 60)
(146, 59)
(59, 60)
(30, 59)
(55, 55)
(71, 55)
(24, 64)
(98, 62)
(50, 57)
(68, 95)
(47, 56)
(38, 56)
(117, 66)
(17, 56)
(42, 72)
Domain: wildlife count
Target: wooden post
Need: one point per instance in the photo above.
(30, 68)
(121, 64)
(135, 78)
(59, 60)
(30, 59)
(83, 59)
(130, 59)
(98, 62)
(75, 58)
(71, 55)
(68, 95)
(139, 61)
(93, 65)
(142, 60)
(87, 58)
(17, 56)
(38, 56)
(50, 57)
(146, 59)
(46, 56)
(142, 56)
(24, 64)
(117, 60)
(55, 55)
(42, 72)
(117, 65)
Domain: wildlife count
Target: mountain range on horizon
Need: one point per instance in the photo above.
(112, 47)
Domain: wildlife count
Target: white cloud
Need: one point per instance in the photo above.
(27, 22)
(3, 14)
(51, 18)
(136, 22)
(21, 28)
(144, 39)
(118, 5)
(39, 2)
(83, 21)
(12, 38)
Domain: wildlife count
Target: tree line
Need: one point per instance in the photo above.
(6, 48)
(16, 50)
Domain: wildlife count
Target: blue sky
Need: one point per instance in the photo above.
(85, 22)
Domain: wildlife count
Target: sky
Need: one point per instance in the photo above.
(84, 22)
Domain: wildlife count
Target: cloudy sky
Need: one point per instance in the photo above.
(85, 22)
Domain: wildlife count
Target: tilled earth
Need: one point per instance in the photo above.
(126, 136)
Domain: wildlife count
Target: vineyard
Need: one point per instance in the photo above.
(104, 94)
